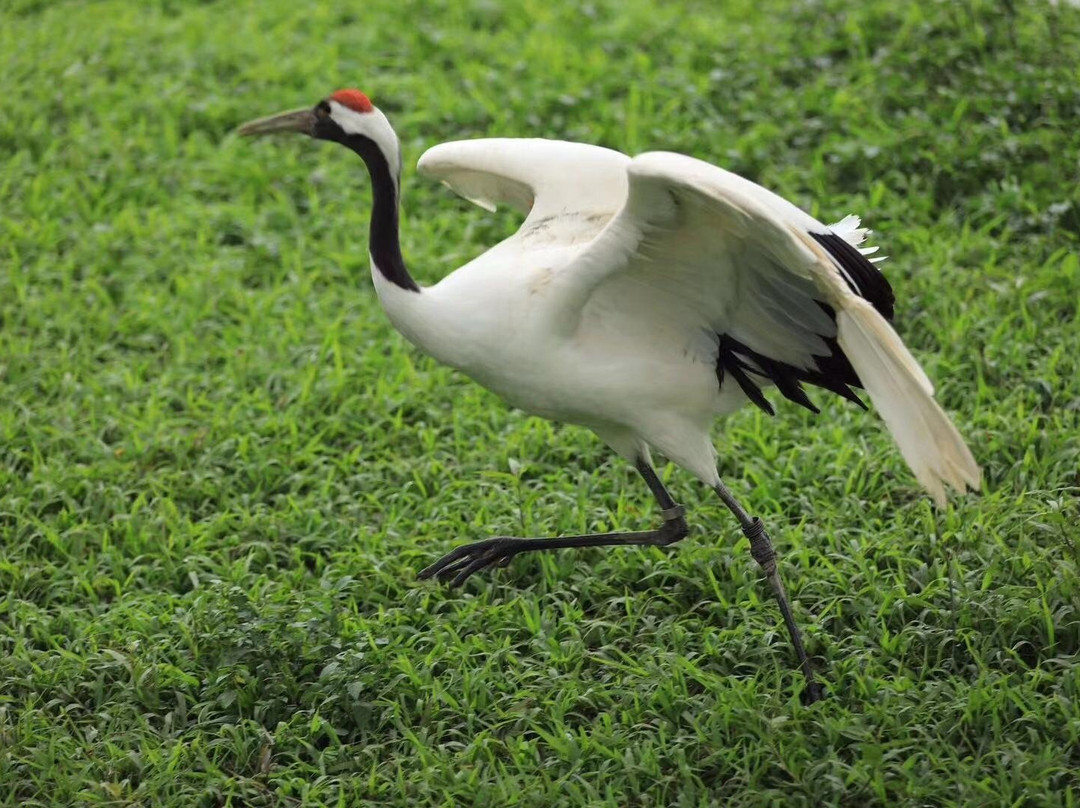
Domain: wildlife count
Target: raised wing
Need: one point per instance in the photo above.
(790, 300)
(569, 190)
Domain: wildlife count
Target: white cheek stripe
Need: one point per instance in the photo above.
(375, 126)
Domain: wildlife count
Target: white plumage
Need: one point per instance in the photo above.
(604, 308)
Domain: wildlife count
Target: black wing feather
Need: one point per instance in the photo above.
(834, 371)
(859, 272)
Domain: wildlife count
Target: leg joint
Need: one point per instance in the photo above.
(674, 528)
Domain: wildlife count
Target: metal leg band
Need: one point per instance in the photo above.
(674, 513)
(760, 546)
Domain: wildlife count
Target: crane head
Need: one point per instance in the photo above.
(347, 117)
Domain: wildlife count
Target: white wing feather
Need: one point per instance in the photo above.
(542, 178)
(743, 263)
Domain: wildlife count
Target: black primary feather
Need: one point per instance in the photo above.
(833, 371)
(859, 272)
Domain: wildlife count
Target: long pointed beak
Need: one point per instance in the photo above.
(297, 120)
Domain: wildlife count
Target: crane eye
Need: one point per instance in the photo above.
(322, 110)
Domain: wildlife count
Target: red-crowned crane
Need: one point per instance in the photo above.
(642, 298)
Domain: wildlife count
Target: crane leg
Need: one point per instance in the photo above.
(762, 550)
(461, 562)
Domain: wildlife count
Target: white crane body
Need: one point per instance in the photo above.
(606, 308)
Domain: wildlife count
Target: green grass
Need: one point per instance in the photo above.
(220, 468)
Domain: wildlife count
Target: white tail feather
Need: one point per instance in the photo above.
(903, 395)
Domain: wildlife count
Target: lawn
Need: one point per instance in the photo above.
(221, 468)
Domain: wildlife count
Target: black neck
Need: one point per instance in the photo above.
(385, 245)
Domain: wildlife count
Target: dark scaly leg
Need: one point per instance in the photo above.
(762, 550)
(457, 565)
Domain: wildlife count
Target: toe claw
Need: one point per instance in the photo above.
(436, 569)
